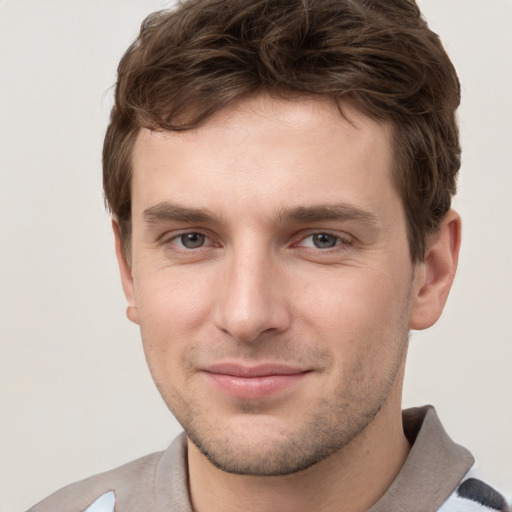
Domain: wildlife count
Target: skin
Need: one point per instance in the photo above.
(271, 240)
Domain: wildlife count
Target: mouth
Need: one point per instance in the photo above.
(253, 382)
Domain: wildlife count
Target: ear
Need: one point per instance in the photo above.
(434, 276)
(126, 275)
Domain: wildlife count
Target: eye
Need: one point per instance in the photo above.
(191, 240)
(321, 241)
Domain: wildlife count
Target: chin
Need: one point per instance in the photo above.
(275, 450)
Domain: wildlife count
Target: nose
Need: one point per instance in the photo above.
(251, 299)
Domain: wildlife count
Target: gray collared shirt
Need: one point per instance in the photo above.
(430, 477)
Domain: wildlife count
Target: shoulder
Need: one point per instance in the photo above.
(132, 481)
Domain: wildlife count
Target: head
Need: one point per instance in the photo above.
(191, 62)
(280, 176)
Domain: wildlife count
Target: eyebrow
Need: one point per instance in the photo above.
(169, 212)
(319, 213)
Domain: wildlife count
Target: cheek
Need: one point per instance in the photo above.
(171, 296)
(173, 308)
(361, 313)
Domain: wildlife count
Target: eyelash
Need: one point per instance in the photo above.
(341, 242)
(168, 239)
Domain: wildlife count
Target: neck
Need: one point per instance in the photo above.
(356, 476)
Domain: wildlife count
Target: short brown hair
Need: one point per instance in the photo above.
(189, 62)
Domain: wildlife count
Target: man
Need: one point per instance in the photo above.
(280, 176)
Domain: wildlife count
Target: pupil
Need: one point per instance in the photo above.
(324, 240)
(192, 240)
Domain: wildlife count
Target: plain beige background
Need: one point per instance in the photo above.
(76, 397)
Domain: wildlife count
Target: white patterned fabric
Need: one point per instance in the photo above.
(105, 503)
(474, 495)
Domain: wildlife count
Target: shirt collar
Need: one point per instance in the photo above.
(433, 470)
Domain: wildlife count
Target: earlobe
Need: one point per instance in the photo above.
(434, 276)
(126, 275)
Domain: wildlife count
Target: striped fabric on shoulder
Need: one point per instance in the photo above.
(474, 495)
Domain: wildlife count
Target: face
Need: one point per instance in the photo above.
(271, 279)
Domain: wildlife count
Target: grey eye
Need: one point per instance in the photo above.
(192, 240)
(324, 240)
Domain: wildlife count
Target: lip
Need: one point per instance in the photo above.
(252, 382)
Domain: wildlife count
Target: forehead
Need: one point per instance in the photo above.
(265, 117)
(264, 152)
